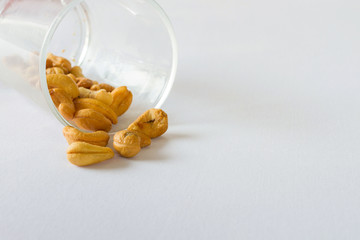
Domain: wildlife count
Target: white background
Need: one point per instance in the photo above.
(263, 143)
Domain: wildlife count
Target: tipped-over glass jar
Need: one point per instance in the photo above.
(120, 42)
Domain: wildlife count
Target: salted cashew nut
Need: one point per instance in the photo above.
(91, 103)
(54, 70)
(95, 87)
(63, 102)
(92, 120)
(153, 123)
(84, 82)
(56, 61)
(64, 82)
(106, 86)
(72, 76)
(122, 99)
(129, 143)
(98, 86)
(101, 95)
(84, 154)
(77, 71)
(99, 138)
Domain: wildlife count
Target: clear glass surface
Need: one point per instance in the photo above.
(119, 42)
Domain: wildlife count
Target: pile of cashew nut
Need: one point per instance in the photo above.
(94, 107)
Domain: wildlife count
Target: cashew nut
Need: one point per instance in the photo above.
(99, 138)
(84, 82)
(92, 120)
(54, 70)
(98, 86)
(101, 95)
(77, 71)
(83, 103)
(55, 61)
(63, 102)
(153, 123)
(64, 82)
(83, 154)
(127, 143)
(122, 99)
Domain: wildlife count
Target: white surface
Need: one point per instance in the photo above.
(263, 140)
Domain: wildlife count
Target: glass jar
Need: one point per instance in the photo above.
(120, 42)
